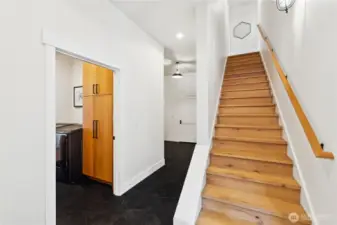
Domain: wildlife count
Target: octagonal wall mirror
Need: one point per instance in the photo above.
(242, 30)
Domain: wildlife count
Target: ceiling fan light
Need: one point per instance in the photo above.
(177, 75)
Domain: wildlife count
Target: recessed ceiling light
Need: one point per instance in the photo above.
(180, 35)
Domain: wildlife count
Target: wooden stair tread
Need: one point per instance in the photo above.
(278, 181)
(245, 70)
(248, 105)
(246, 89)
(262, 71)
(248, 94)
(244, 59)
(238, 67)
(247, 115)
(266, 205)
(256, 82)
(231, 60)
(207, 217)
(255, 140)
(253, 58)
(258, 62)
(252, 155)
(253, 127)
(244, 65)
(229, 76)
(224, 98)
(244, 54)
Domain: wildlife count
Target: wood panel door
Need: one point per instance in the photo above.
(104, 140)
(88, 136)
(104, 81)
(89, 79)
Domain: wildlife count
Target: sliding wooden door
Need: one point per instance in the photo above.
(89, 79)
(98, 123)
(88, 136)
(104, 81)
(104, 140)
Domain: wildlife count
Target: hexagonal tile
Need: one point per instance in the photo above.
(242, 30)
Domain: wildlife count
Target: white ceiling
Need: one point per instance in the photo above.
(163, 20)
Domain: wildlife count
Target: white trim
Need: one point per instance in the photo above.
(298, 173)
(56, 42)
(64, 44)
(189, 204)
(50, 140)
(141, 176)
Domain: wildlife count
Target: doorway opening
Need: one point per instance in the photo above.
(106, 173)
(84, 133)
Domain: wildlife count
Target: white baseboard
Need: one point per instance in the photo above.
(298, 174)
(141, 176)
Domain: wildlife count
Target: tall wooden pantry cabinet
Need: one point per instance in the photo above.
(98, 123)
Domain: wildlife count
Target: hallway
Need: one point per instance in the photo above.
(152, 202)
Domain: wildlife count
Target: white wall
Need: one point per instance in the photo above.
(202, 17)
(68, 76)
(244, 12)
(97, 30)
(63, 88)
(180, 104)
(212, 50)
(217, 55)
(77, 76)
(305, 42)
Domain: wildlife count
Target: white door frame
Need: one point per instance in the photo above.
(56, 42)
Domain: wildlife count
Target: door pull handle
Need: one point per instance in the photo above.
(97, 88)
(93, 129)
(96, 129)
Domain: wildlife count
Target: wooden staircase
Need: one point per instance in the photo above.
(249, 179)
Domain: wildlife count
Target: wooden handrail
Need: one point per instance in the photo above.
(313, 140)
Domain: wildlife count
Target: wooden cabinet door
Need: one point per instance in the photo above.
(104, 81)
(88, 134)
(89, 79)
(104, 140)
